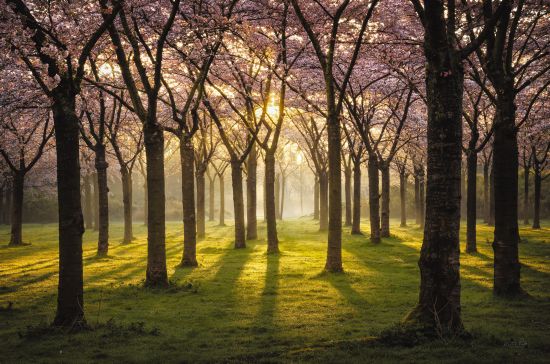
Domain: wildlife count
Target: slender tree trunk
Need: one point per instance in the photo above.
(439, 299)
(278, 195)
(187, 155)
(222, 200)
(88, 214)
(505, 166)
(211, 192)
(323, 202)
(316, 199)
(201, 203)
(526, 196)
(422, 197)
(486, 192)
(238, 203)
(374, 200)
(7, 213)
(416, 198)
(126, 177)
(491, 198)
(103, 200)
(251, 195)
(356, 221)
(95, 184)
(334, 246)
(538, 183)
(347, 193)
(271, 217)
(385, 218)
(471, 161)
(463, 193)
(403, 197)
(156, 275)
(17, 209)
(70, 297)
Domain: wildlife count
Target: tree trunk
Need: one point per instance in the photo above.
(439, 300)
(103, 201)
(422, 197)
(70, 297)
(374, 200)
(347, 193)
(356, 221)
(222, 200)
(156, 275)
(187, 155)
(2, 207)
(385, 218)
(7, 213)
(271, 217)
(403, 197)
(316, 198)
(486, 192)
(463, 193)
(251, 196)
(95, 184)
(538, 182)
(17, 209)
(211, 191)
(201, 203)
(505, 167)
(334, 246)
(526, 196)
(492, 198)
(88, 214)
(323, 202)
(471, 161)
(127, 204)
(238, 204)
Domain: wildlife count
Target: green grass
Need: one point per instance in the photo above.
(243, 305)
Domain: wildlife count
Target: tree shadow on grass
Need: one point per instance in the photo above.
(265, 319)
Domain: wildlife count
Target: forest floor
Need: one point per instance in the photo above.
(246, 306)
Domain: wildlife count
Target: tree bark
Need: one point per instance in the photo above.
(374, 200)
(201, 203)
(422, 197)
(222, 200)
(88, 214)
(238, 204)
(403, 197)
(189, 258)
(471, 161)
(463, 193)
(251, 195)
(18, 185)
(103, 200)
(347, 193)
(70, 297)
(334, 244)
(526, 196)
(385, 218)
(271, 217)
(95, 184)
(211, 195)
(126, 177)
(505, 170)
(316, 199)
(156, 275)
(538, 183)
(356, 221)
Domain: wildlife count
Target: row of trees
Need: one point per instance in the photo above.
(346, 82)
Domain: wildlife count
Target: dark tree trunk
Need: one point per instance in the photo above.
(222, 200)
(374, 200)
(251, 196)
(7, 212)
(17, 209)
(385, 218)
(201, 203)
(416, 198)
(156, 275)
(356, 221)
(271, 217)
(491, 198)
(127, 204)
(334, 244)
(70, 297)
(505, 170)
(463, 193)
(403, 197)
(422, 197)
(211, 192)
(316, 199)
(471, 161)
(347, 192)
(536, 215)
(323, 202)
(189, 258)
(238, 204)
(103, 200)
(95, 184)
(486, 192)
(278, 196)
(88, 214)
(439, 299)
(526, 196)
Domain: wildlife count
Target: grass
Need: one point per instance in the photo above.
(245, 305)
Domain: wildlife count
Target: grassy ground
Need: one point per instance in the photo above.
(242, 305)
